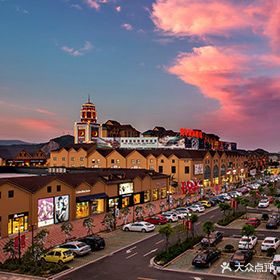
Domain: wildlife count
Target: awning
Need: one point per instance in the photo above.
(91, 197)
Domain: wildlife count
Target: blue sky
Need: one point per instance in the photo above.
(54, 53)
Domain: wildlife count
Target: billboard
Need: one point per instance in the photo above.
(81, 134)
(61, 209)
(198, 169)
(171, 142)
(125, 188)
(94, 132)
(185, 132)
(45, 212)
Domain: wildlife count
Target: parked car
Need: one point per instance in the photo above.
(270, 242)
(181, 215)
(240, 258)
(220, 199)
(225, 196)
(58, 255)
(206, 258)
(264, 203)
(205, 203)
(183, 210)
(243, 190)
(139, 226)
(275, 266)
(76, 247)
(171, 216)
(95, 242)
(255, 222)
(197, 208)
(214, 201)
(214, 238)
(157, 220)
(272, 224)
(247, 242)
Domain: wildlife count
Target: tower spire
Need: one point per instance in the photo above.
(88, 98)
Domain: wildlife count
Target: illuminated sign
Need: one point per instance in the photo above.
(82, 191)
(45, 211)
(61, 208)
(190, 133)
(125, 188)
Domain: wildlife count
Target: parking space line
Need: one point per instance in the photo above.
(162, 240)
(152, 251)
(130, 256)
(128, 251)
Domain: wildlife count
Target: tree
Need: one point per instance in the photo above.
(9, 248)
(139, 211)
(88, 224)
(193, 219)
(125, 213)
(67, 228)
(166, 230)
(225, 208)
(261, 190)
(109, 221)
(248, 230)
(254, 195)
(277, 204)
(272, 190)
(151, 208)
(208, 227)
(244, 202)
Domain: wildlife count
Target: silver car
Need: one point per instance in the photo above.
(76, 247)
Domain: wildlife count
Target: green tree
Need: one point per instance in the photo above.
(254, 195)
(9, 248)
(88, 225)
(166, 230)
(261, 190)
(277, 204)
(193, 219)
(208, 227)
(225, 208)
(248, 230)
(67, 228)
(272, 190)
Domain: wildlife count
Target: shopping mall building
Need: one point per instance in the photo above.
(41, 201)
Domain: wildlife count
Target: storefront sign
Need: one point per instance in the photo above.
(125, 188)
(190, 133)
(82, 191)
(61, 208)
(45, 212)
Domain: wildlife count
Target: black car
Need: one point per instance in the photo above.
(240, 258)
(206, 258)
(272, 224)
(95, 242)
(214, 238)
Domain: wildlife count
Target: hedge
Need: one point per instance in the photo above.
(227, 220)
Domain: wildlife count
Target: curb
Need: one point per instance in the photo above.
(9, 274)
(56, 276)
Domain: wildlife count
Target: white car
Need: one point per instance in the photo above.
(139, 226)
(181, 215)
(270, 242)
(170, 216)
(275, 265)
(197, 208)
(226, 196)
(247, 242)
(264, 203)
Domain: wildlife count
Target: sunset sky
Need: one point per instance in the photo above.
(212, 65)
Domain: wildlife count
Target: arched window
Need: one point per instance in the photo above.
(216, 171)
(207, 172)
(223, 170)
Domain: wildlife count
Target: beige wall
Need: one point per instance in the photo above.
(136, 160)
(115, 160)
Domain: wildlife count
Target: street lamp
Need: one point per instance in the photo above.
(19, 229)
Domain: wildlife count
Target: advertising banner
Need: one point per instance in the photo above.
(171, 142)
(81, 134)
(45, 212)
(94, 132)
(125, 188)
(61, 209)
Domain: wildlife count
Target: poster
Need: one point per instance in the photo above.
(125, 188)
(171, 142)
(198, 169)
(61, 208)
(45, 212)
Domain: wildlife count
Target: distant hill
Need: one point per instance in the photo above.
(12, 142)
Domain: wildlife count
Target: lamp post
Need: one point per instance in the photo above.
(19, 242)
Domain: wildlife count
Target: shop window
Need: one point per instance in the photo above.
(49, 189)
(58, 188)
(97, 206)
(155, 194)
(173, 169)
(147, 196)
(82, 209)
(10, 194)
(187, 169)
(163, 193)
(113, 202)
(17, 222)
(125, 201)
(160, 169)
(136, 198)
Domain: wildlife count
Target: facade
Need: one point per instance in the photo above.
(213, 169)
(42, 201)
(87, 129)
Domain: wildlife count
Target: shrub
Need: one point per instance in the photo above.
(227, 220)
(229, 248)
(270, 252)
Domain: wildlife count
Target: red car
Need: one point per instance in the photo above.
(157, 220)
(255, 222)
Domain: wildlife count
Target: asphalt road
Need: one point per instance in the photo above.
(134, 263)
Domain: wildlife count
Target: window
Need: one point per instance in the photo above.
(160, 169)
(162, 161)
(0, 194)
(72, 158)
(173, 169)
(151, 160)
(163, 193)
(63, 158)
(147, 196)
(54, 158)
(49, 189)
(93, 161)
(98, 206)
(187, 169)
(58, 188)
(112, 161)
(173, 160)
(81, 158)
(10, 194)
(118, 161)
(155, 194)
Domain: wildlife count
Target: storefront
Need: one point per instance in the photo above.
(91, 204)
(18, 222)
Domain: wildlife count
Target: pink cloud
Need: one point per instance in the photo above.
(78, 52)
(45, 111)
(93, 4)
(118, 9)
(127, 26)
